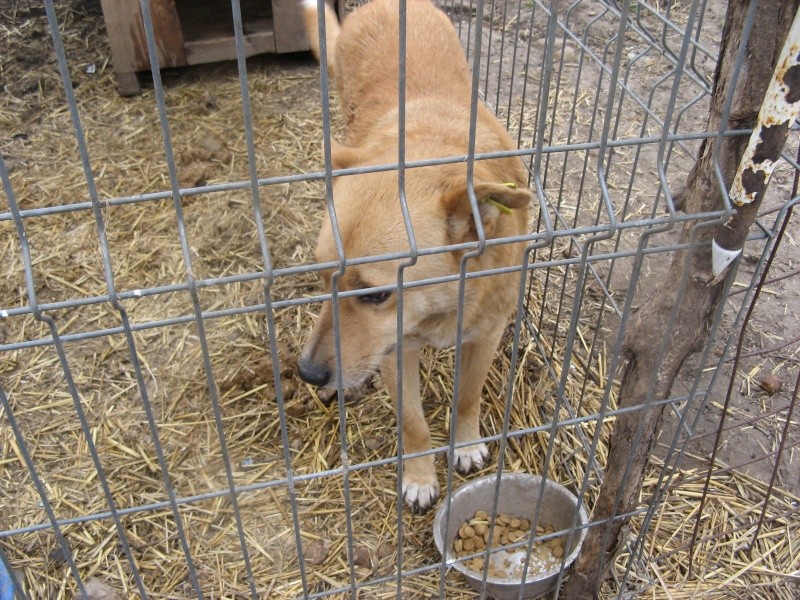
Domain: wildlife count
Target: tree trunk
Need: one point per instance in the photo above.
(644, 375)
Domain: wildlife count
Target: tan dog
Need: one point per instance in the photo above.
(363, 55)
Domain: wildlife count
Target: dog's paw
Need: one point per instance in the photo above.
(420, 496)
(470, 458)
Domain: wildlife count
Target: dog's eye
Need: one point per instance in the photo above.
(376, 298)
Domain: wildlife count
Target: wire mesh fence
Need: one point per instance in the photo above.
(160, 283)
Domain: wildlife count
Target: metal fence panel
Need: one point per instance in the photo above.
(156, 436)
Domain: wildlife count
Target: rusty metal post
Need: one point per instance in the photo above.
(779, 110)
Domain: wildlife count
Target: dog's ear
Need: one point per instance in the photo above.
(344, 157)
(495, 201)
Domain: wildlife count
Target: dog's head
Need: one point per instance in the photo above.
(370, 222)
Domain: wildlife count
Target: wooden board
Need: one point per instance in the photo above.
(128, 43)
(290, 33)
(127, 39)
(198, 31)
(208, 29)
(223, 47)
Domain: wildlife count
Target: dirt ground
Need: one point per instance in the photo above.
(209, 150)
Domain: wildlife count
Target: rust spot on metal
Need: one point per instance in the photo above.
(770, 143)
(772, 121)
(791, 79)
(754, 182)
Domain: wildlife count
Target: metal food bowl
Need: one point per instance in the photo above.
(518, 495)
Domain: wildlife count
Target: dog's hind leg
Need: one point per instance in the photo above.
(420, 486)
(476, 359)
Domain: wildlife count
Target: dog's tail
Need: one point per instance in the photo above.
(312, 31)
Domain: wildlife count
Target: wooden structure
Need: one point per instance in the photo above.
(190, 32)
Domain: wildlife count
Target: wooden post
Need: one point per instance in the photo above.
(126, 37)
(643, 374)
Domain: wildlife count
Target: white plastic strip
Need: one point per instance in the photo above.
(721, 257)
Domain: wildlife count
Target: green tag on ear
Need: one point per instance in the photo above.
(510, 184)
(501, 207)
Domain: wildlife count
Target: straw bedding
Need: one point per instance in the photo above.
(208, 136)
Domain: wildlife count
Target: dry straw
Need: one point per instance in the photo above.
(208, 136)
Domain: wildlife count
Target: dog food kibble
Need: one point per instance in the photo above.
(473, 536)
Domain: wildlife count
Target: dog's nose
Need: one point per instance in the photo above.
(313, 373)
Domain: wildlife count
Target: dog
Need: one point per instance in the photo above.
(363, 62)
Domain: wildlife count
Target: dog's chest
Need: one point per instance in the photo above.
(440, 331)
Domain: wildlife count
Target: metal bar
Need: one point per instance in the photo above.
(693, 233)
(488, 58)
(513, 69)
(716, 319)
(269, 278)
(340, 396)
(638, 544)
(412, 259)
(671, 466)
(520, 309)
(59, 348)
(211, 314)
(525, 73)
(320, 175)
(192, 288)
(478, 250)
(429, 568)
(606, 202)
(301, 478)
(232, 279)
(782, 446)
(669, 24)
(731, 382)
(115, 302)
(54, 524)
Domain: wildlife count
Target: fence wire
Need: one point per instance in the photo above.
(607, 103)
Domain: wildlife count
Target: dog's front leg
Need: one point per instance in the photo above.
(476, 358)
(420, 486)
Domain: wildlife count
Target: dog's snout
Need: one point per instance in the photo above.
(313, 373)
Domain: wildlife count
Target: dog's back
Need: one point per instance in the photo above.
(366, 56)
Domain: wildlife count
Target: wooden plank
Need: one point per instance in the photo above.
(290, 35)
(126, 34)
(168, 33)
(128, 83)
(223, 47)
(123, 25)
